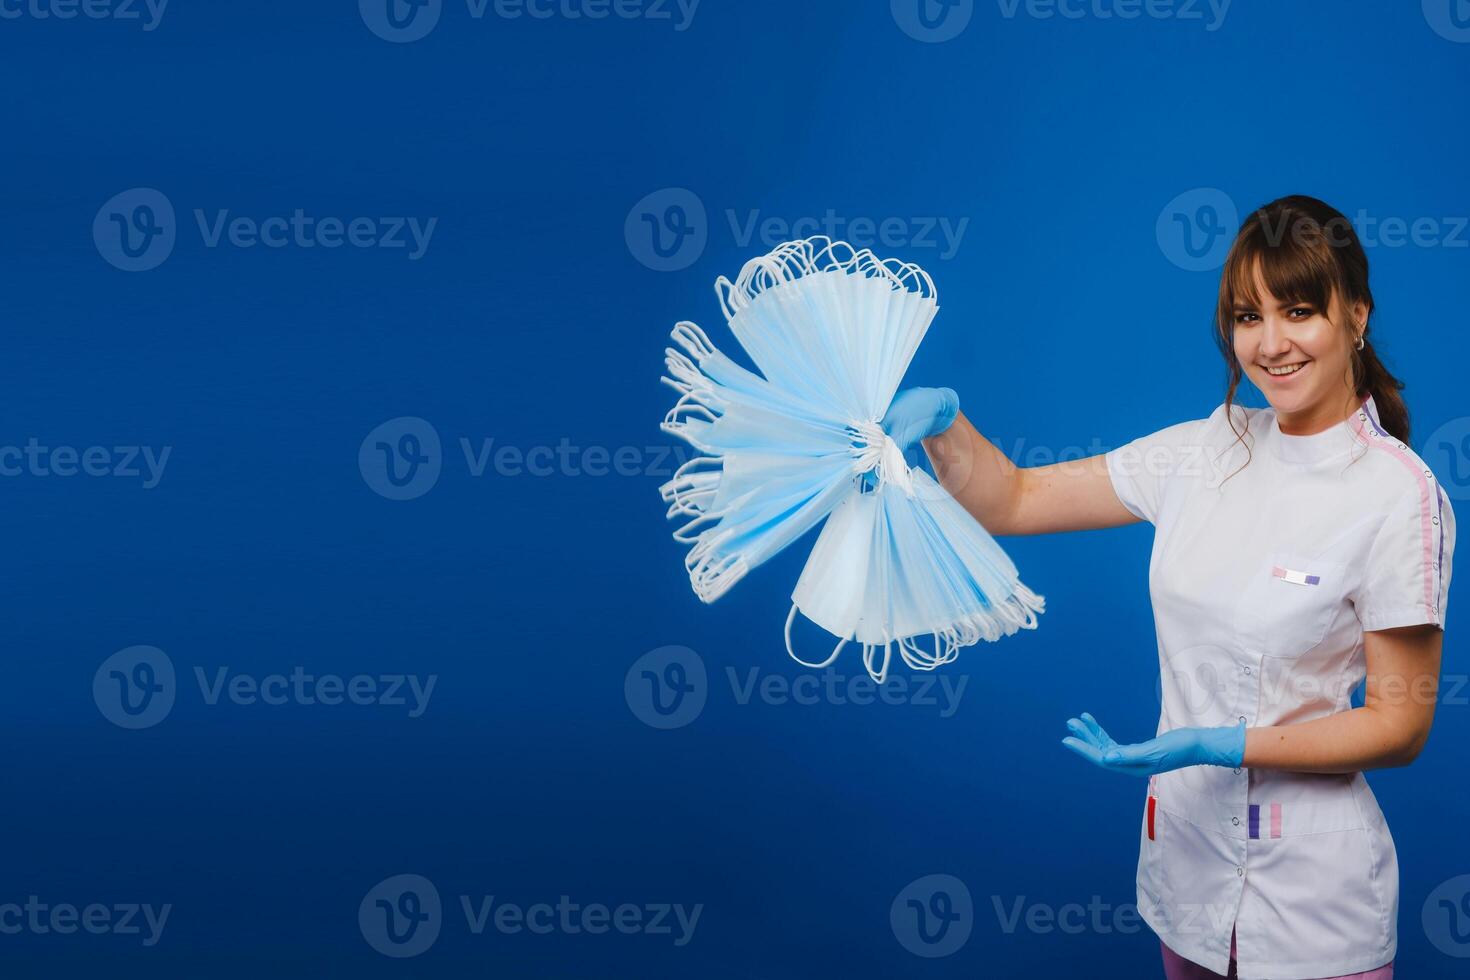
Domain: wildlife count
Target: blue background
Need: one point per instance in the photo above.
(1067, 321)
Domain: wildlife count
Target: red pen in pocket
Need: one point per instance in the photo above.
(1152, 801)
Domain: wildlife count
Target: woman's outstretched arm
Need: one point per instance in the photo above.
(1073, 495)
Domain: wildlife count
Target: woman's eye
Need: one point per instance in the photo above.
(1244, 317)
(1302, 312)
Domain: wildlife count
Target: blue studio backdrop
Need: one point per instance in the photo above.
(338, 588)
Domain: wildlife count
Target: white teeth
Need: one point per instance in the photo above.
(1289, 369)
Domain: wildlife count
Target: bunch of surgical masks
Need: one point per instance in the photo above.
(899, 564)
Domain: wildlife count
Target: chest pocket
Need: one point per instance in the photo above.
(1289, 601)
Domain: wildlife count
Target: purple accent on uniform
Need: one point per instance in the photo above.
(1439, 509)
(1313, 579)
(1368, 412)
(1255, 821)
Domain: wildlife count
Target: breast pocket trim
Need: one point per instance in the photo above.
(1290, 601)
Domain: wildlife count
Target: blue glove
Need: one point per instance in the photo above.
(918, 413)
(1223, 746)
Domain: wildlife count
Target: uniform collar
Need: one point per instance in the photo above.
(1328, 444)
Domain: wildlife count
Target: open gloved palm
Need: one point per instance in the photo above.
(1221, 746)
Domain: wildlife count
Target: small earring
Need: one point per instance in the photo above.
(1361, 341)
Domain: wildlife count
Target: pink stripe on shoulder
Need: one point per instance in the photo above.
(1378, 437)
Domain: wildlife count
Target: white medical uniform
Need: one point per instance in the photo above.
(1262, 585)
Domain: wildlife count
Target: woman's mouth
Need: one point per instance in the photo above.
(1285, 372)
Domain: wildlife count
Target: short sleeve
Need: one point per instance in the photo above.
(1407, 578)
(1142, 470)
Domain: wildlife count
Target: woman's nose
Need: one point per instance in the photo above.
(1274, 340)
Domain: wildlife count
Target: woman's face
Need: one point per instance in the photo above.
(1314, 352)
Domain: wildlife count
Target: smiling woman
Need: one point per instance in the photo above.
(1294, 313)
(1300, 550)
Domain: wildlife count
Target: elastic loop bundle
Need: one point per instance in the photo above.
(875, 452)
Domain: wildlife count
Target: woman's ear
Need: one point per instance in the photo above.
(1360, 317)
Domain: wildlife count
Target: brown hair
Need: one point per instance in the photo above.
(1307, 252)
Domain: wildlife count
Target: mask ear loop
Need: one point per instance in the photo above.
(918, 658)
(868, 651)
(790, 618)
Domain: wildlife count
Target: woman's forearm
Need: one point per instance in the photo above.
(976, 473)
(1349, 741)
(1400, 693)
